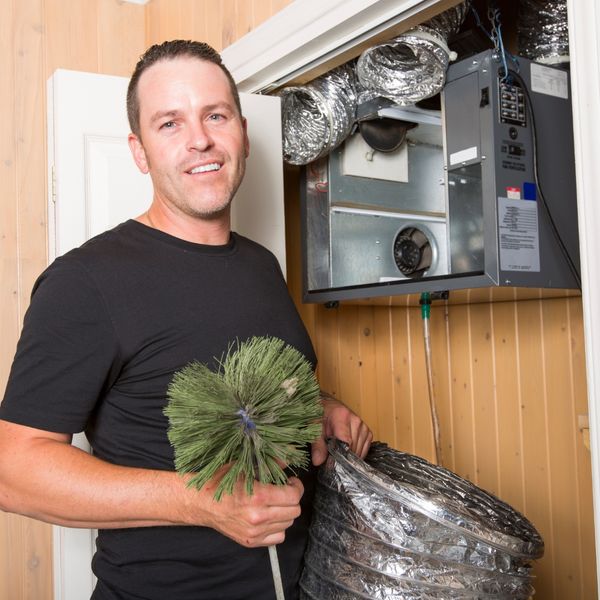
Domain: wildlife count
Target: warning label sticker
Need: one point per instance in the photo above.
(550, 81)
(519, 240)
(514, 193)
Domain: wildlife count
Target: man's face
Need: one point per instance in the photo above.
(193, 139)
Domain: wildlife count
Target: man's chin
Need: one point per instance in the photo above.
(211, 213)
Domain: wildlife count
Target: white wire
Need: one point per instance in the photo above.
(277, 582)
(432, 405)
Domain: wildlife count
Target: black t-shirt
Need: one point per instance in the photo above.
(108, 325)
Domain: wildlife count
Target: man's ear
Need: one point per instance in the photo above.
(138, 153)
(246, 139)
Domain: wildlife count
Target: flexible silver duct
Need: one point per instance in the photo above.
(543, 32)
(317, 117)
(413, 65)
(397, 527)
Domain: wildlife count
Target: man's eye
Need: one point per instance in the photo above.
(168, 125)
(216, 117)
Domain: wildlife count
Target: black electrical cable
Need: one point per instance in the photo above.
(563, 248)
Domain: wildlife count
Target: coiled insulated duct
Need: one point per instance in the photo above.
(317, 117)
(397, 527)
(543, 30)
(413, 65)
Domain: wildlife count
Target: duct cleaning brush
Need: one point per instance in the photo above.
(257, 412)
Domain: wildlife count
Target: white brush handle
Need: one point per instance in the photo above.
(276, 573)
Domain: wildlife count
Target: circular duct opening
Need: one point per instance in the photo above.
(413, 251)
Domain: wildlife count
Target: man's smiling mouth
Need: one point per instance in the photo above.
(205, 168)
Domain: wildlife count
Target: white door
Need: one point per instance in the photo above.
(94, 185)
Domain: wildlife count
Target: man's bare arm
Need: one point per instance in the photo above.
(43, 476)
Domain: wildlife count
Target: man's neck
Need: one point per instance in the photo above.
(213, 231)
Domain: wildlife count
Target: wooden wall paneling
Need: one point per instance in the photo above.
(184, 19)
(9, 272)
(213, 16)
(10, 318)
(276, 5)
(37, 560)
(584, 508)
(11, 558)
(384, 429)
(441, 364)
(192, 20)
(503, 294)
(424, 444)
(5, 556)
(325, 337)
(508, 409)
(261, 11)
(25, 559)
(228, 22)
(71, 40)
(461, 386)
(367, 362)
(562, 440)
(349, 357)
(537, 506)
(460, 296)
(31, 543)
(43, 35)
(30, 120)
(403, 386)
(163, 20)
(484, 398)
(243, 20)
(121, 36)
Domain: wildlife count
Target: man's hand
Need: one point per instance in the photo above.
(340, 422)
(257, 520)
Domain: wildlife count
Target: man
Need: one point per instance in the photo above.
(110, 323)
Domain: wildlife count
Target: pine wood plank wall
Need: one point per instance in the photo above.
(36, 37)
(509, 376)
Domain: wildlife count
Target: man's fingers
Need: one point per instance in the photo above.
(361, 438)
(319, 451)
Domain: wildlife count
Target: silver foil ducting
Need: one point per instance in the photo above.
(413, 65)
(448, 23)
(543, 30)
(317, 117)
(397, 527)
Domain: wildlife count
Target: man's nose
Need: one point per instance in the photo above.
(199, 137)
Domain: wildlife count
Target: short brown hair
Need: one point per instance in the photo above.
(168, 51)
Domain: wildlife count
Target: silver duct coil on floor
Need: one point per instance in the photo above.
(397, 527)
(543, 30)
(413, 65)
(317, 117)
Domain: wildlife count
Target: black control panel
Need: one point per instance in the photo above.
(512, 105)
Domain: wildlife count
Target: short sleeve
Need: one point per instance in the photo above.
(66, 355)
